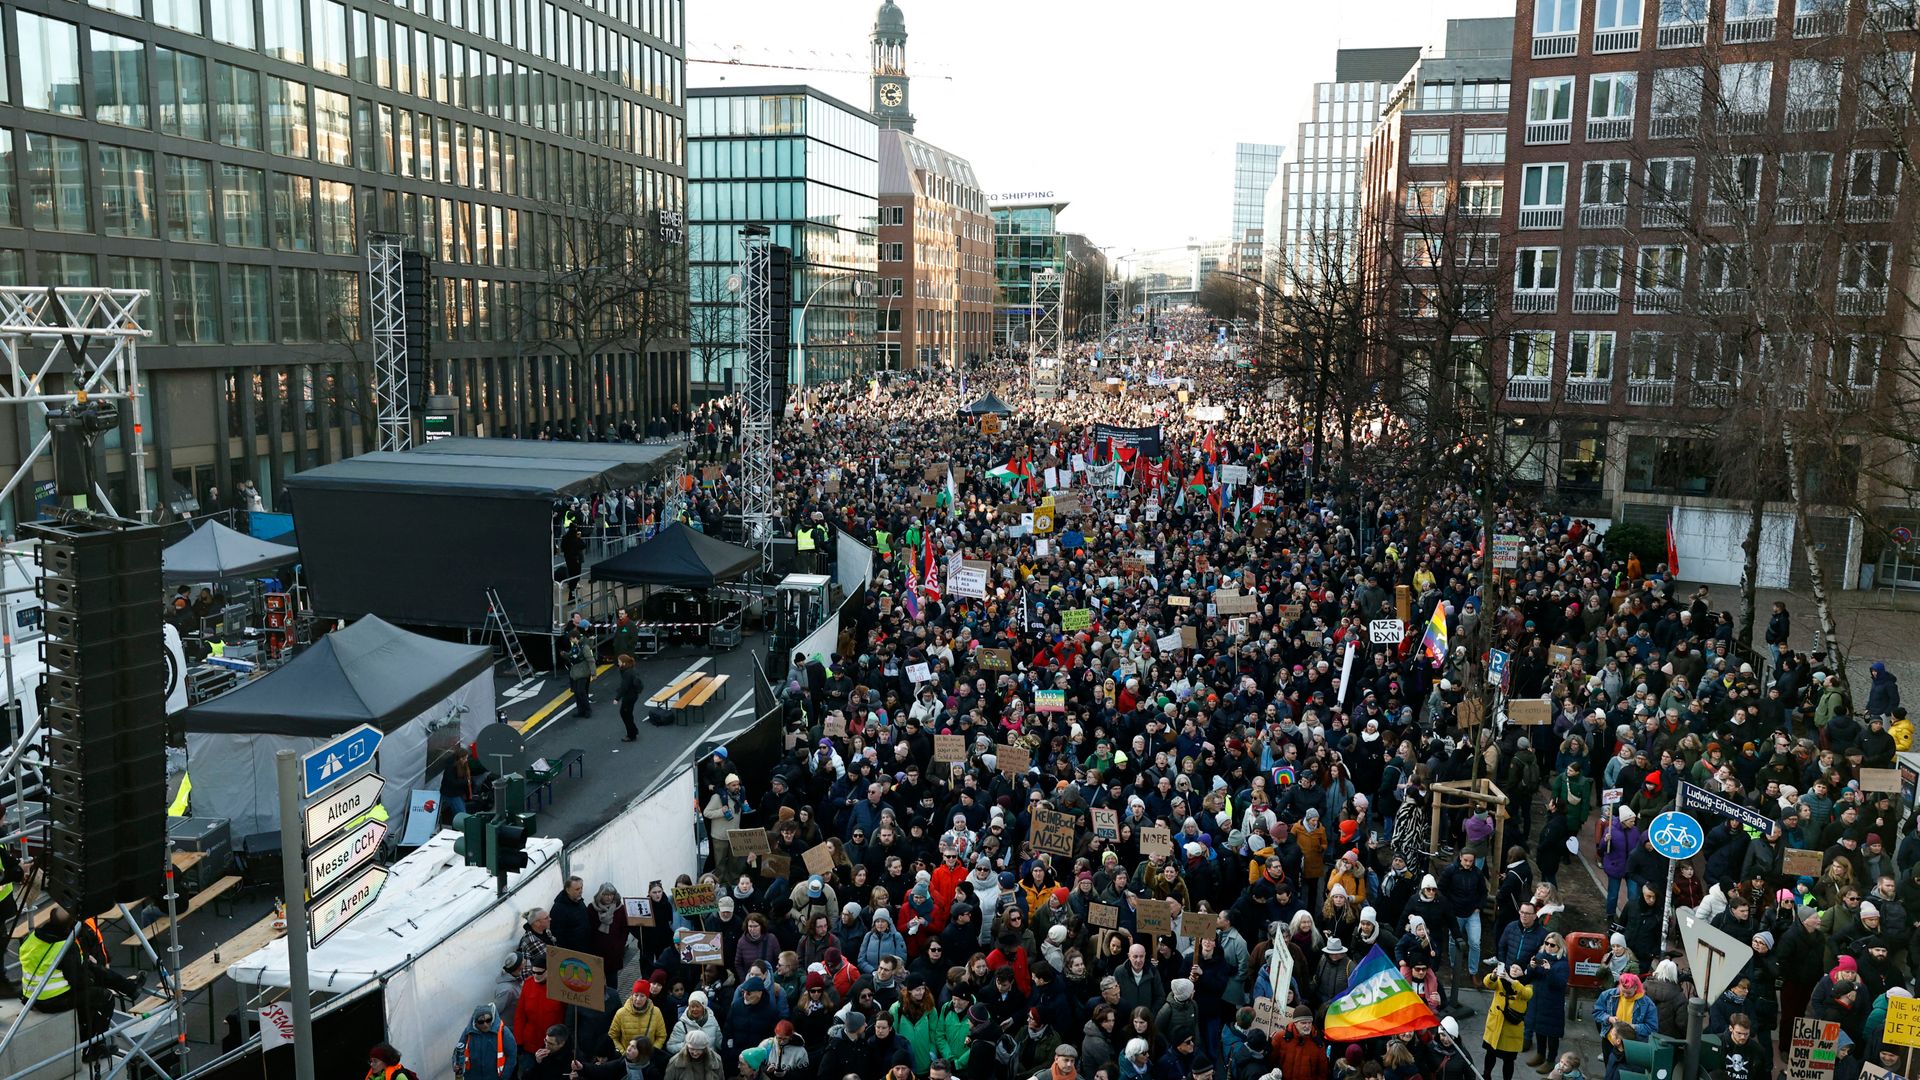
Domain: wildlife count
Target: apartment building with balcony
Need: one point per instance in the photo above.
(1672, 167)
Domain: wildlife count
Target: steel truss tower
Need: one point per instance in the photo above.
(756, 396)
(387, 307)
(1045, 339)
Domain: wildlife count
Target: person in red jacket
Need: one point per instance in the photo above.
(1302, 1053)
(1012, 954)
(534, 1014)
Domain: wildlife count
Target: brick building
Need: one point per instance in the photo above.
(936, 257)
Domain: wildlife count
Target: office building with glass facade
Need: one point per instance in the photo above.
(1027, 239)
(1254, 167)
(806, 166)
(232, 155)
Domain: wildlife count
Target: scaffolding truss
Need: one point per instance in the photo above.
(58, 343)
(756, 396)
(1045, 339)
(387, 309)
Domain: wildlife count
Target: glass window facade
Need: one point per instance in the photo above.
(49, 63)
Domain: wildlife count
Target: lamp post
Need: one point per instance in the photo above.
(861, 287)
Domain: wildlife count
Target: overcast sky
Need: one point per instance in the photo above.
(1128, 109)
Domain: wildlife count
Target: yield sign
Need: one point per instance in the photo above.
(1715, 955)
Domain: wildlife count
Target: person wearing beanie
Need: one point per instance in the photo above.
(696, 1016)
(699, 1059)
(782, 1055)
(638, 1017)
(845, 1053)
(749, 1022)
(506, 985)
(1180, 1015)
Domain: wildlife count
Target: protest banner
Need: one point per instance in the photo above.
(1529, 711)
(776, 866)
(1103, 915)
(695, 899)
(576, 978)
(1153, 917)
(995, 659)
(1168, 642)
(640, 910)
(1014, 760)
(819, 859)
(1106, 824)
(949, 748)
(1198, 924)
(1076, 619)
(1189, 638)
(1052, 831)
(748, 841)
(919, 673)
(1156, 840)
(1903, 1022)
(1560, 656)
(1049, 701)
(1880, 780)
(703, 946)
(1815, 1048)
(1233, 603)
(1797, 862)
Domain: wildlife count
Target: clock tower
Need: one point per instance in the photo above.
(890, 102)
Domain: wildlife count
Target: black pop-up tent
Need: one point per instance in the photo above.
(679, 557)
(426, 696)
(989, 404)
(214, 552)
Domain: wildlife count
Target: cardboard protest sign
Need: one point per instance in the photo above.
(1471, 712)
(1156, 840)
(703, 946)
(776, 866)
(1133, 567)
(1560, 656)
(1103, 915)
(1268, 1017)
(1153, 917)
(949, 748)
(1168, 642)
(640, 910)
(819, 859)
(919, 673)
(1198, 924)
(1880, 780)
(695, 899)
(1229, 603)
(748, 841)
(1052, 831)
(928, 500)
(1189, 638)
(1288, 614)
(1798, 862)
(1106, 824)
(835, 726)
(1180, 601)
(1013, 760)
(576, 978)
(1529, 711)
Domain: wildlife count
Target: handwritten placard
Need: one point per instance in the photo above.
(703, 946)
(748, 841)
(640, 910)
(1014, 760)
(1156, 840)
(776, 865)
(576, 978)
(1153, 916)
(1076, 619)
(1560, 655)
(1189, 638)
(1180, 601)
(1529, 711)
(1799, 862)
(1233, 603)
(835, 726)
(919, 673)
(1106, 823)
(1106, 916)
(1471, 712)
(1267, 1016)
(1052, 831)
(1198, 924)
(819, 859)
(1880, 780)
(1049, 701)
(698, 899)
(949, 748)
(1168, 642)
(995, 659)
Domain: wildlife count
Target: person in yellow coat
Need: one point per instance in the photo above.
(1506, 1020)
(1901, 729)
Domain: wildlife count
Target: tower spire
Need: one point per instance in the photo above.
(890, 83)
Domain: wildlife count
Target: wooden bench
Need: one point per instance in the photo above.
(540, 781)
(707, 692)
(666, 693)
(203, 972)
(690, 691)
(201, 899)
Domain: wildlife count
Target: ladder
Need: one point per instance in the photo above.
(497, 622)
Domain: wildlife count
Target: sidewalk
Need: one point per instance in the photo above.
(1871, 626)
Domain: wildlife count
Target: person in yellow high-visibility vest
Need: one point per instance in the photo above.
(54, 979)
(11, 872)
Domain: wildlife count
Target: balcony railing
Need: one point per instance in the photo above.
(1720, 213)
(1536, 301)
(1731, 122)
(1870, 207)
(1862, 301)
(1547, 46)
(1548, 132)
(1656, 301)
(1603, 215)
(1529, 388)
(1684, 35)
(1610, 129)
(1849, 397)
(1746, 31)
(1596, 301)
(1650, 392)
(1724, 301)
(1799, 211)
(1710, 395)
(1616, 41)
(1814, 118)
(1818, 24)
(1662, 217)
(1550, 217)
(1673, 127)
(1588, 391)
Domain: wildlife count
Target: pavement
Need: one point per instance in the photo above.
(1869, 626)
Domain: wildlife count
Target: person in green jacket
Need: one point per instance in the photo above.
(1832, 703)
(950, 1028)
(916, 1018)
(1574, 792)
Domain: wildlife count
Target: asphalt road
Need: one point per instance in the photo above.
(616, 773)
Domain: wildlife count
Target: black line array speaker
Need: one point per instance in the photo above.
(416, 286)
(106, 720)
(780, 273)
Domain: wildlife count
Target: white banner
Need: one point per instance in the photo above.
(969, 583)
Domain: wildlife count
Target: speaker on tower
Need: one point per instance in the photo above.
(780, 263)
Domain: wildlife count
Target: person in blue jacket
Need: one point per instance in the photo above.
(486, 1050)
(1627, 1002)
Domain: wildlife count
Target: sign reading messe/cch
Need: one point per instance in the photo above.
(330, 863)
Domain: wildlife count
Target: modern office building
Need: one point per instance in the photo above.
(1027, 238)
(232, 156)
(1432, 188)
(935, 305)
(1706, 212)
(1255, 165)
(1315, 215)
(806, 166)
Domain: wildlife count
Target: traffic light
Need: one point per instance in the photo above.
(510, 845)
(1650, 1059)
(472, 844)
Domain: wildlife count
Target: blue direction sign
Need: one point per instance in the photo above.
(1676, 835)
(339, 759)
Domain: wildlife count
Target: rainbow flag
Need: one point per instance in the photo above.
(1434, 644)
(1378, 1002)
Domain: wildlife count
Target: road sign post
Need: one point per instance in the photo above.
(288, 774)
(1677, 836)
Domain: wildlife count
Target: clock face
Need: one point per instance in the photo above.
(892, 94)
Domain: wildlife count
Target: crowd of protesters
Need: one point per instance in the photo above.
(1221, 684)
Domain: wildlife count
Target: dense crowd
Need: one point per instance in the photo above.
(1322, 796)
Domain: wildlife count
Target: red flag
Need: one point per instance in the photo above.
(932, 575)
(1673, 552)
(1213, 453)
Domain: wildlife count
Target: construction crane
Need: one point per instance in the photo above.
(737, 60)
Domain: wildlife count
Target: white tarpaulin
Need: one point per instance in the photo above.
(233, 773)
(633, 849)
(853, 562)
(1709, 543)
(823, 642)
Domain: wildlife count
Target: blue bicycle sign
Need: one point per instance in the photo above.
(1676, 835)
